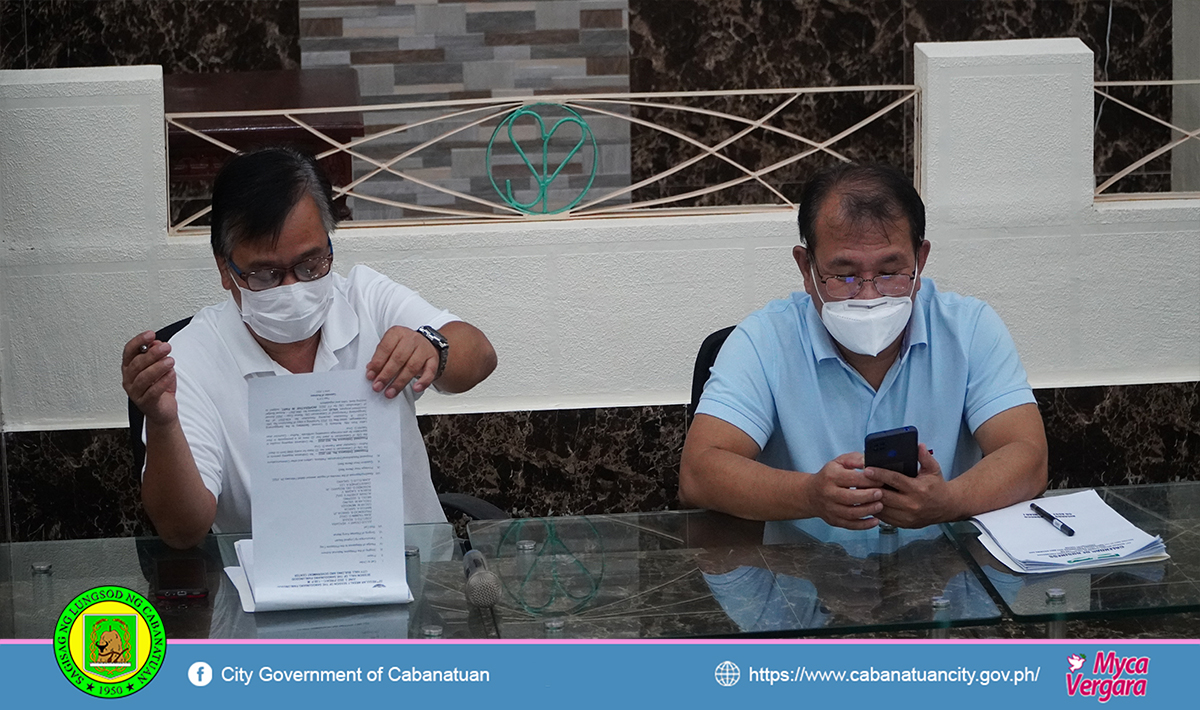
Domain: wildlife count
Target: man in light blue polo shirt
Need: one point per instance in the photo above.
(870, 345)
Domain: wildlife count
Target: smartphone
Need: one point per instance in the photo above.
(894, 449)
(180, 578)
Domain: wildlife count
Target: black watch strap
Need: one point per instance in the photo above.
(439, 341)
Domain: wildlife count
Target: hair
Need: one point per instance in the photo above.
(872, 194)
(255, 192)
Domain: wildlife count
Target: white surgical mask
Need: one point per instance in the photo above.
(866, 326)
(288, 314)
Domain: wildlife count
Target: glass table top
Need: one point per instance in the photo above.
(1171, 511)
(651, 575)
(702, 574)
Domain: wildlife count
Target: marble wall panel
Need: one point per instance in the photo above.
(763, 45)
(182, 36)
(78, 484)
(793, 43)
(5, 516)
(578, 462)
(1108, 436)
(12, 34)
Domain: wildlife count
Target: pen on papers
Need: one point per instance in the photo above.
(1062, 527)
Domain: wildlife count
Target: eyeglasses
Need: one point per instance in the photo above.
(310, 269)
(842, 287)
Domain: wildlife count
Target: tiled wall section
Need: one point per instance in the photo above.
(431, 51)
(181, 35)
(78, 484)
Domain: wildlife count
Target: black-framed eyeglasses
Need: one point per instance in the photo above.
(310, 269)
(842, 287)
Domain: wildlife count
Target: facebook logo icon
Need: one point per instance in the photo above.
(200, 674)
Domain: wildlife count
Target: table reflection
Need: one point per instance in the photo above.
(697, 573)
(1171, 511)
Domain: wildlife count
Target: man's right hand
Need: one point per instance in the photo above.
(149, 377)
(719, 470)
(843, 496)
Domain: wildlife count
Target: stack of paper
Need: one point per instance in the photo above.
(328, 487)
(1021, 539)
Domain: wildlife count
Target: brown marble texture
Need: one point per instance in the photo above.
(181, 35)
(73, 484)
(78, 484)
(1136, 48)
(5, 517)
(564, 462)
(762, 45)
(1108, 436)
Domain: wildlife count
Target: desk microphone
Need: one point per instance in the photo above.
(482, 586)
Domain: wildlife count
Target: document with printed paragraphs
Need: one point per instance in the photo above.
(328, 494)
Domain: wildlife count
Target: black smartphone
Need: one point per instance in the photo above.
(180, 578)
(894, 449)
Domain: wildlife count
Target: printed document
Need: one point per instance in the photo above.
(1022, 540)
(328, 492)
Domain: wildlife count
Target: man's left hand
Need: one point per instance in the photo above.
(402, 355)
(915, 502)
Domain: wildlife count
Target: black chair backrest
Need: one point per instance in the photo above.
(704, 361)
(136, 418)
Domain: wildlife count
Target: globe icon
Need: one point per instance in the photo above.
(728, 673)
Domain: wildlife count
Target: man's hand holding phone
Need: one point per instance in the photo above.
(843, 496)
(918, 501)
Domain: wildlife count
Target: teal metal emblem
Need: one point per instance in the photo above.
(543, 175)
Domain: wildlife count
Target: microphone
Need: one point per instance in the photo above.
(482, 586)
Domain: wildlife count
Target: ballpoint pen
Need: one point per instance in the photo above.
(1062, 527)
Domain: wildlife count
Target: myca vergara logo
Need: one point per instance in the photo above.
(1112, 676)
(109, 642)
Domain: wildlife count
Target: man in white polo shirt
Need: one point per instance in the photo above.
(870, 345)
(287, 313)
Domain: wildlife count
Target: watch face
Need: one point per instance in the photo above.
(434, 337)
(439, 341)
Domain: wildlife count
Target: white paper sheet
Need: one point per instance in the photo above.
(328, 492)
(1024, 542)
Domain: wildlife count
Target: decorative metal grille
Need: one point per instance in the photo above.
(1147, 176)
(542, 156)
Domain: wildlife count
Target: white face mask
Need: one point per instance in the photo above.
(866, 326)
(288, 314)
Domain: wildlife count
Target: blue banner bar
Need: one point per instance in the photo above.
(612, 675)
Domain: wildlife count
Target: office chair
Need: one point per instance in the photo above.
(704, 361)
(455, 504)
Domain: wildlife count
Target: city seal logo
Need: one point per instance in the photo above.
(109, 642)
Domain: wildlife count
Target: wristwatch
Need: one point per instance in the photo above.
(439, 341)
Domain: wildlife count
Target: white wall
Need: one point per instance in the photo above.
(1094, 294)
(599, 312)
